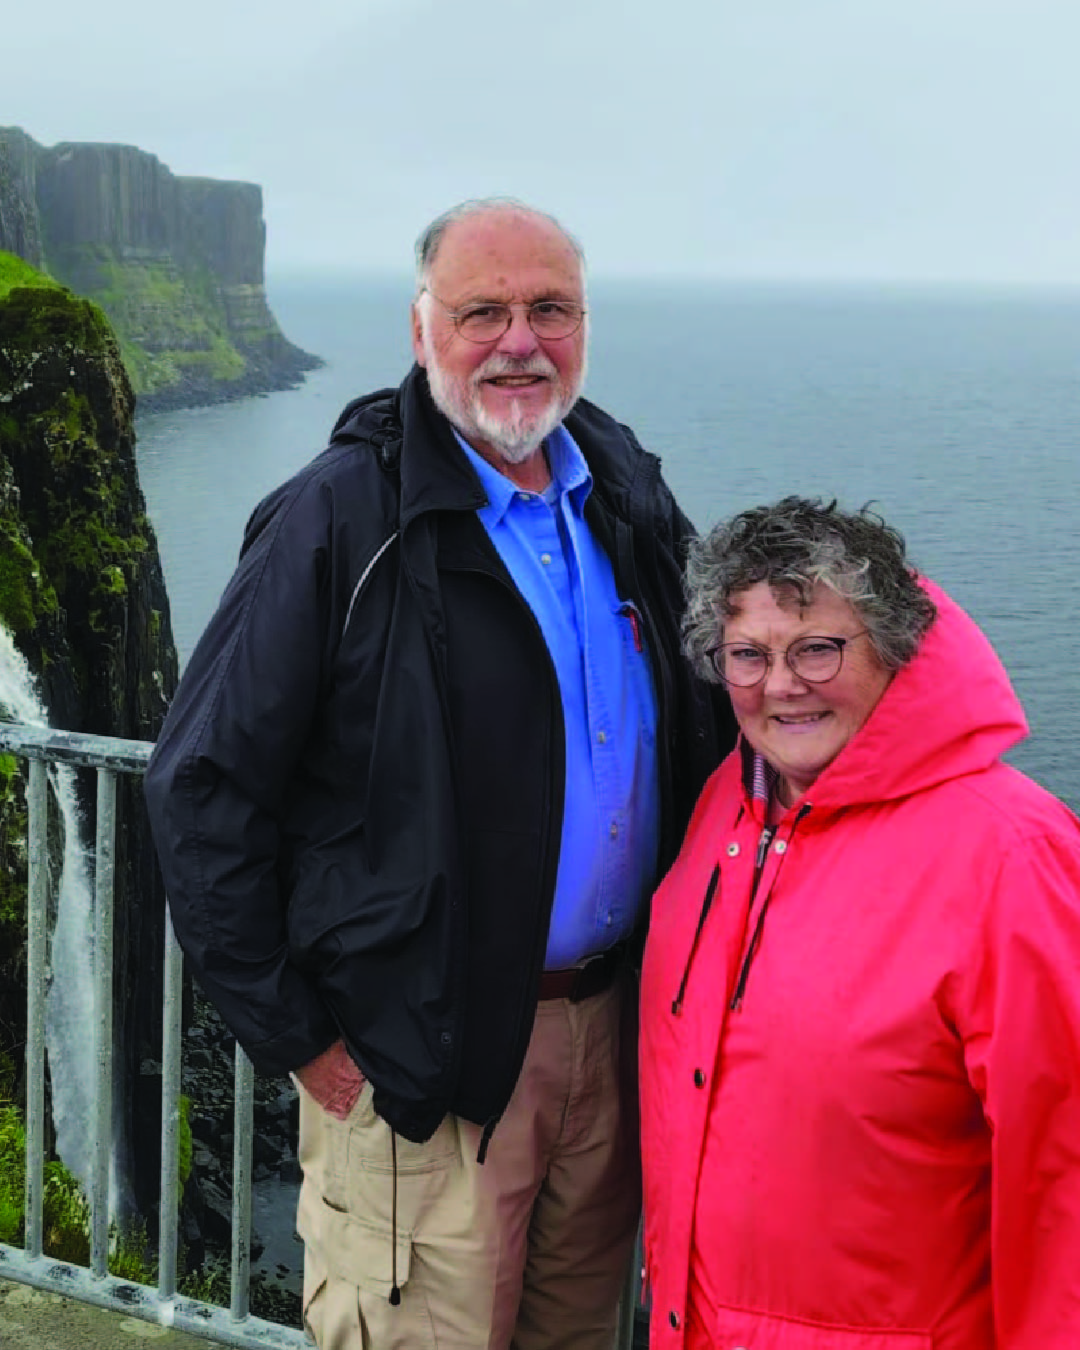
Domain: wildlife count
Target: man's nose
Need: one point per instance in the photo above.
(519, 339)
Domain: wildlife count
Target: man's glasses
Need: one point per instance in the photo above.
(488, 320)
(812, 659)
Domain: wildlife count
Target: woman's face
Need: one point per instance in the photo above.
(799, 727)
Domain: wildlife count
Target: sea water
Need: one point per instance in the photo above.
(956, 411)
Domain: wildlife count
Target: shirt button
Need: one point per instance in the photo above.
(733, 850)
(614, 830)
(610, 919)
(545, 558)
(673, 1318)
(781, 846)
(699, 1077)
(524, 496)
(601, 736)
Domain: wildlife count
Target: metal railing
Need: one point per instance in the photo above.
(162, 1305)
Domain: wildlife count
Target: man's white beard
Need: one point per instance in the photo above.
(520, 434)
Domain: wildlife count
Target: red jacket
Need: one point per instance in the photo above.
(878, 1147)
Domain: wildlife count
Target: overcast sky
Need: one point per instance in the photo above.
(811, 139)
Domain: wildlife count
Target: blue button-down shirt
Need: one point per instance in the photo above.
(610, 830)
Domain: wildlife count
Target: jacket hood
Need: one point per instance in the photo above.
(951, 711)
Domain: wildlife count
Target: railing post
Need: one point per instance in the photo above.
(49, 751)
(631, 1296)
(242, 1162)
(169, 1201)
(37, 908)
(104, 878)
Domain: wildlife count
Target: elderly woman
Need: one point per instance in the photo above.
(861, 993)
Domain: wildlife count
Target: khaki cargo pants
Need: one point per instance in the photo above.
(527, 1251)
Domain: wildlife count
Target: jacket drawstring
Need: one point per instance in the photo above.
(395, 1291)
(485, 1139)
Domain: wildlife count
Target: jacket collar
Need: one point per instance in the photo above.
(437, 476)
(435, 472)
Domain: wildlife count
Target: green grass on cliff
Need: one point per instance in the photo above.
(14, 272)
(18, 575)
(44, 314)
(172, 325)
(171, 328)
(72, 540)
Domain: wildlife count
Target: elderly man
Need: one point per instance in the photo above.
(421, 774)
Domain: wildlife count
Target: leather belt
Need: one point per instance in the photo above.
(585, 981)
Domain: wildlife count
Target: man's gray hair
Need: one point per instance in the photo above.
(427, 245)
(793, 546)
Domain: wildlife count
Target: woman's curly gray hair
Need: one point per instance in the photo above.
(794, 545)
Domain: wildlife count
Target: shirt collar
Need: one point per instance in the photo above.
(569, 472)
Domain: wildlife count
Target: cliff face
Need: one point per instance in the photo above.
(176, 263)
(83, 595)
(19, 230)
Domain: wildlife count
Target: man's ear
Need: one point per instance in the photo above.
(417, 333)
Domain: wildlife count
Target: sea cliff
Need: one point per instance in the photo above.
(83, 596)
(176, 263)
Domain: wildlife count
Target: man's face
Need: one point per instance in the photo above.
(506, 395)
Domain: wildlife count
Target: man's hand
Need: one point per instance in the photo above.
(333, 1080)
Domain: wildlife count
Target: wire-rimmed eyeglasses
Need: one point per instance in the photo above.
(488, 320)
(814, 659)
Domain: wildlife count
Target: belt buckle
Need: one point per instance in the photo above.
(596, 973)
(579, 988)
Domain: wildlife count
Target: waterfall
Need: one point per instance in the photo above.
(69, 997)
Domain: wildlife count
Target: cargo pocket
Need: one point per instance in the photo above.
(347, 1287)
(363, 1256)
(740, 1329)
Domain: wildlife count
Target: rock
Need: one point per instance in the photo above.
(176, 263)
(20, 230)
(199, 1057)
(267, 1150)
(216, 1218)
(84, 599)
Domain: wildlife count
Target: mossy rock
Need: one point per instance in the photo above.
(36, 318)
(15, 272)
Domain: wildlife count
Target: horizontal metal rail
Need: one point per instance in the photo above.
(75, 748)
(147, 1303)
(163, 1306)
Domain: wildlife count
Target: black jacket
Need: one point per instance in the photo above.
(357, 795)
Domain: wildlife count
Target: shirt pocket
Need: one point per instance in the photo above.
(741, 1329)
(638, 667)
